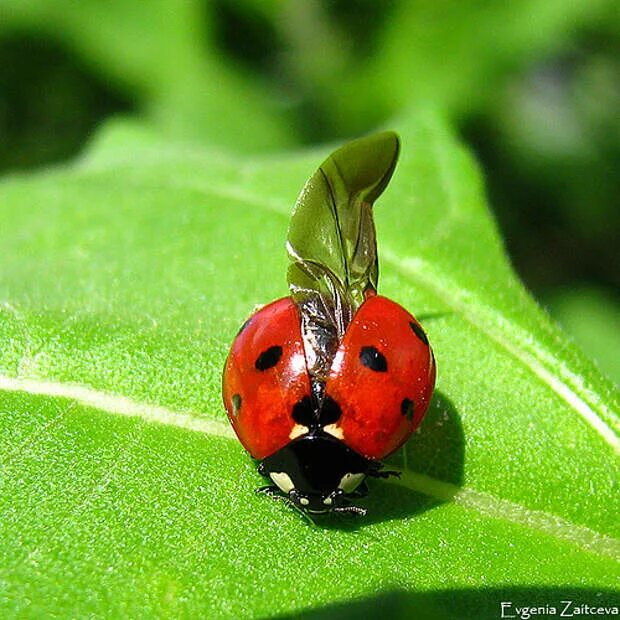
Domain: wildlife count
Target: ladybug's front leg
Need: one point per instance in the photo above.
(356, 511)
(269, 490)
(386, 474)
(274, 493)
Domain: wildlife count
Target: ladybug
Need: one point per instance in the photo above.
(322, 385)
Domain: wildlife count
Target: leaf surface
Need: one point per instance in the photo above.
(123, 492)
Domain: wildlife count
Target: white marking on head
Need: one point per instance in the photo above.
(297, 431)
(328, 501)
(334, 430)
(304, 501)
(285, 484)
(349, 482)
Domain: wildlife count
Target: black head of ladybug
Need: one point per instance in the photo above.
(318, 473)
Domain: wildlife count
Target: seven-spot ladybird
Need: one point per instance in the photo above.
(324, 384)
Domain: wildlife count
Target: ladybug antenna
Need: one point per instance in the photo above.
(332, 245)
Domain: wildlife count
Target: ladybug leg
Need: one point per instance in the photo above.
(353, 510)
(385, 474)
(262, 470)
(374, 470)
(271, 491)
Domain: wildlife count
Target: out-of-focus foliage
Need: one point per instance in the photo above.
(161, 54)
(454, 55)
(48, 102)
(592, 317)
(551, 146)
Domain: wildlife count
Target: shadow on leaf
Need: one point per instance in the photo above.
(432, 316)
(476, 604)
(436, 450)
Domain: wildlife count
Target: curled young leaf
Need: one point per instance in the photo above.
(332, 243)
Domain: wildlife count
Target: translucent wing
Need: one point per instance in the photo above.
(332, 244)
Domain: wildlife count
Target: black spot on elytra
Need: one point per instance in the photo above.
(406, 408)
(330, 411)
(303, 412)
(269, 358)
(419, 332)
(236, 404)
(373, 359)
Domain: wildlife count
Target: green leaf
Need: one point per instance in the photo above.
(123, 491)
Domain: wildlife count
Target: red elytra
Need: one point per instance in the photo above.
(381, 407)
(382, 378)
(259, 402)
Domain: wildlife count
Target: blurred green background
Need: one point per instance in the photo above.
(533, 86)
